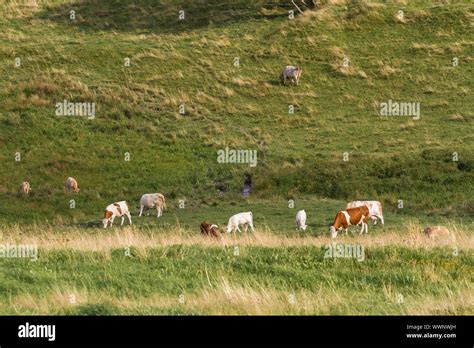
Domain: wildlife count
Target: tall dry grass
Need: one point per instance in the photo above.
(48, 237)
(230, 298)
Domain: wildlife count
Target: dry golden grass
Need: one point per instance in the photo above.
(21, 8)
(387, 71)
(429, 48)
(227, 298)
(343, 65)
(47, 238)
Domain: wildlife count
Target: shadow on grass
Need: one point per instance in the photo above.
(88, 224)
(159, 16)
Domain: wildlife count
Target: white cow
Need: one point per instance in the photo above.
(119, 209)
(375, 209)
(152, 200)
(301, 220)
(291, 72)
(240, 219)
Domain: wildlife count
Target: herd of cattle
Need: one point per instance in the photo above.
(356, 213)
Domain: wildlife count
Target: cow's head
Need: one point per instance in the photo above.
(107, 218)
(333, 232)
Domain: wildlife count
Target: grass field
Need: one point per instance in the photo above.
(177, 271)
(335, 147)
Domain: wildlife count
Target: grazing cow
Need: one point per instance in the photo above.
(24, 188)
(210, 229)
(240, 219)
(71, 185)
(119, 209)
(351, 216)
(301, 220)
(375, 209)
(291, 72)
(152, 200)
(436, 231)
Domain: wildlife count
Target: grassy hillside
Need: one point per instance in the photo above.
(355, 56)
(191, 62)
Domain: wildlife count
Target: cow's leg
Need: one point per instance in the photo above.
(112, 220)
(374, 219)
(158, 211)
(381, 219)
(123, 219)
(251, 227)
(238, 229)
(246, 227)
(129, 217)
(365, 227)
(141, 210)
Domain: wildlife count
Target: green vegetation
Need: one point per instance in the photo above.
(190, 62)
(213, 280)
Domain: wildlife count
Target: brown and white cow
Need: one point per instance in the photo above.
(350, 216)
(119, 209)
(210, 229)
(24, 188)
(71, 185)
(375, 209)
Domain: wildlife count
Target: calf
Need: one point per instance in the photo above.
(301, 220)
(119, 209)
(351, 216)
(210, 229)
(436, 231)
(153, 200)
(375, 209)
(240, 219)
(71, 185)
(24, 188)
(291, 72)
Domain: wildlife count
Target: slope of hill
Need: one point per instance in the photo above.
(170, 93)
(355, 56)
